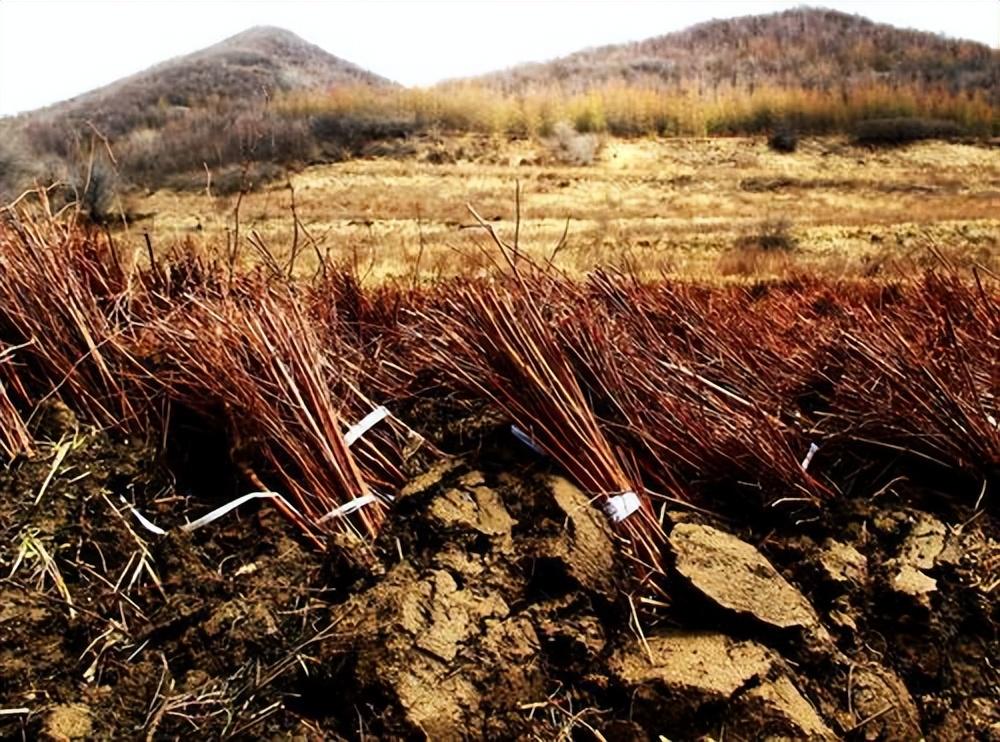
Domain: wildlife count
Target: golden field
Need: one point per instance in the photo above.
(681, 206)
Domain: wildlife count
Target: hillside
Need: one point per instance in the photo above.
(238, 113)
(802, 48)
(251, 66)
(209, 109)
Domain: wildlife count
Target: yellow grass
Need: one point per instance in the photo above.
(680, 206)
(631, 110)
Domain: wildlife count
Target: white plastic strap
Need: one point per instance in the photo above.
(526, 440)
(813, 448)
(220, 511)
(621, 506)
(365, 424)
(208, 517)
(143, 521)
(349, 507)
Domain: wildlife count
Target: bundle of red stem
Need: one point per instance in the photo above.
(497, 338)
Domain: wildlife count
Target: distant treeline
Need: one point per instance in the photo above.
(630, 111)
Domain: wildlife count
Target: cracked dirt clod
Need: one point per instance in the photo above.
(914, 583)
(924, 543)
(920, 551)
(882, 706)
(700, 666)
(475, 508)
(686, 671)
(431, 645)
(585, 547)
(734, 575)
(436, 636)
(778, 710)
(842, 563)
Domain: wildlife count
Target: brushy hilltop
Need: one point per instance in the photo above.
(205, 109)
(244, 109)
(807, 48)
(250, 66)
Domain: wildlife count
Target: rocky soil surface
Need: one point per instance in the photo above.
(493, 605)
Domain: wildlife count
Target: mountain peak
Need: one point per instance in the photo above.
(257, 62)
(265, 38)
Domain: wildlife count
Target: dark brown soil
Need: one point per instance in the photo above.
(494, 605)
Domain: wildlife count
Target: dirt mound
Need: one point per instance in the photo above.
(494, 604)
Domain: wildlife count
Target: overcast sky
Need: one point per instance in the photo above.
(53, 49)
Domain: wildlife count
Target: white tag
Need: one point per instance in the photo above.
(220, 511)
(143, 521)
(365, 424)
(208, 517)
(621, 506)
(349, 507)
(813, 448)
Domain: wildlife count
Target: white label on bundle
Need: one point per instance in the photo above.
(621, 506)
(349, 507)
(813, 448)
(220, 511)
(366, 423)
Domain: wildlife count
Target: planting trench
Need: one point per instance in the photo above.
(493, 604)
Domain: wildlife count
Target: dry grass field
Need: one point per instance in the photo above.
(699, 208)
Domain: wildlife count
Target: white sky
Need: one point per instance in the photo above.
(54, 49)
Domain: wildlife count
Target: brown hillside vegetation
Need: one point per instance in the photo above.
(206, 108)
(808, 48)
(251, 66)
(266, 99)
(816, 70)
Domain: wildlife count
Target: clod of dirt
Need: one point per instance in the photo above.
(914, 584)
(67, 722)
(586, 547)
(472, 507)
(919, 552)
(691, 668)
(882, 706)
(427, 479)
(776, 709)
(676, 676)
(734, 575)
(431, 645)
(436, 638)
(842, 563)
(924, 543)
